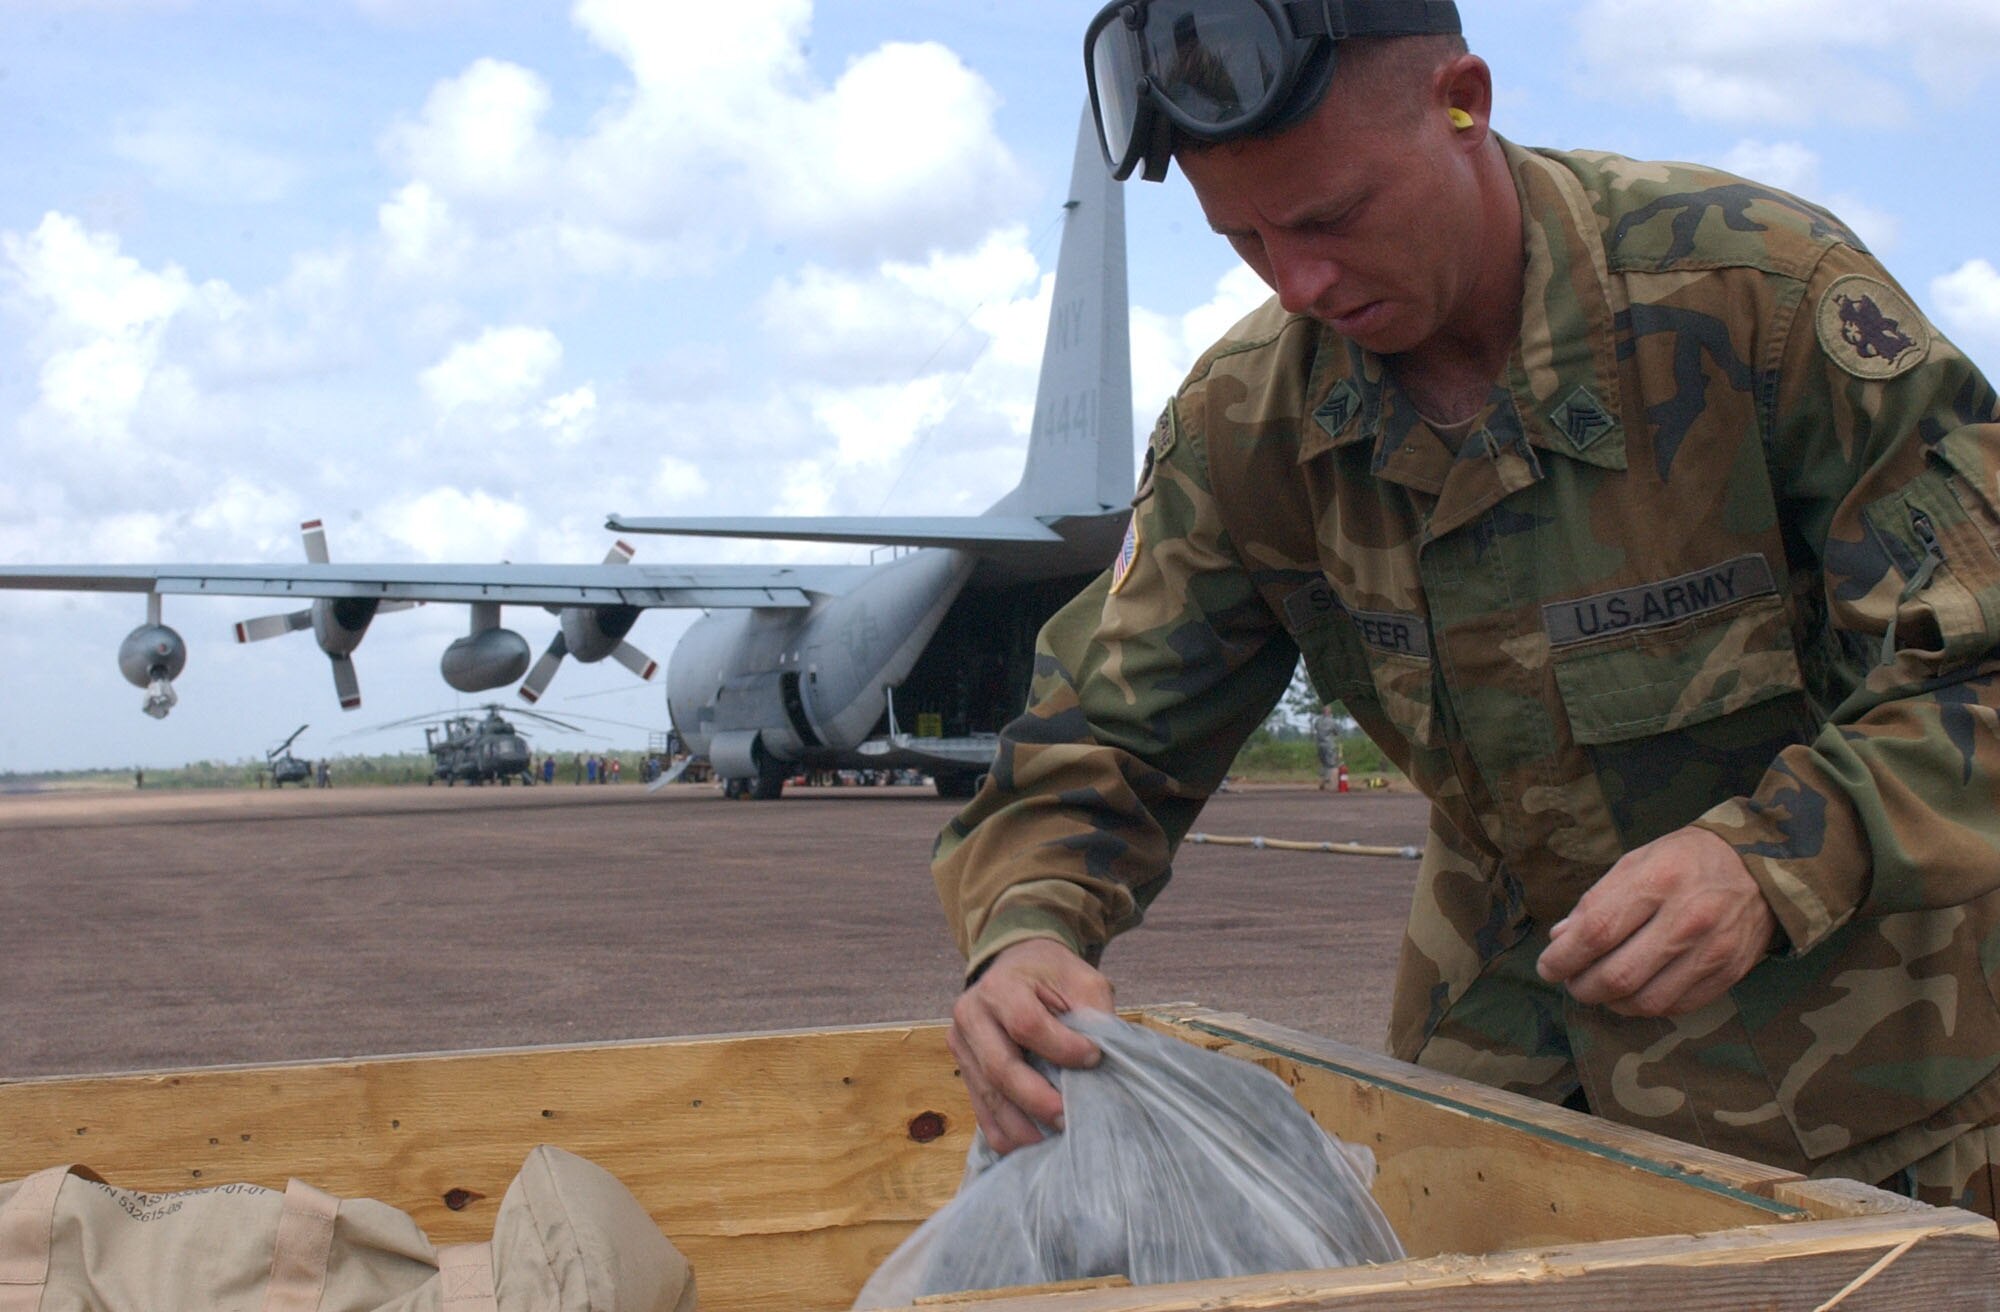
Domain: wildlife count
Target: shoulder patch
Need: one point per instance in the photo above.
(1128, 554)
(1870, 329)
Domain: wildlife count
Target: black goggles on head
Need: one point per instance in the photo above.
(1221, 69)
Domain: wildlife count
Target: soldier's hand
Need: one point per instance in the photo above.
(1666, 931)
(1012, 1007)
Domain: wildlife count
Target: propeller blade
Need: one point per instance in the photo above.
(538, 678)
(313, 532)
(383, 607)
(272, 626)
(620, 554)
(635, 660)
(345, 683)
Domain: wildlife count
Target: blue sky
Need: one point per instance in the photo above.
(461, 276)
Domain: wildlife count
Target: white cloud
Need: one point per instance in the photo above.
(420, 235)
(677, 482)
(569, 417)
(1968, 301)
(900, 318)
(871, 426)
(448, 523)
(247, 510)
(698, 155)
(1165, 347)
(190, 158)
(479, 136)
(502, 367)
(860, 163)
(1786, 165)
(1787, 61)
(97, 318)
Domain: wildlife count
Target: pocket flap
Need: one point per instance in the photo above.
(1671, 676)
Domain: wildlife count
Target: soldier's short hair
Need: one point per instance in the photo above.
(1380, 70)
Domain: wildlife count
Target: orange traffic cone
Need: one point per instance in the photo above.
(1340, 779)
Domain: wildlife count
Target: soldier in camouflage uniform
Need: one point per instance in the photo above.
(1649, 528)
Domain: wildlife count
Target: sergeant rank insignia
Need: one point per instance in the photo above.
(1870, 329)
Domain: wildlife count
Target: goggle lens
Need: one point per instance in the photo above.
(1115, 70)
(1216, 64)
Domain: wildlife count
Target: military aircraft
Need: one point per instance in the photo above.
(477, 750)
(286, 768)
(910, 663)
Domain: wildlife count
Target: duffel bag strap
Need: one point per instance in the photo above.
(465, 1274)
(299, 1254)
(27, 1228)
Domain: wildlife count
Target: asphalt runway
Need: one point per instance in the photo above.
(143, 930)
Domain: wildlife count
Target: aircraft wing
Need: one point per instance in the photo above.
(710, 587)
(962, 532)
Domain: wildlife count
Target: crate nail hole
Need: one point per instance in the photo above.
(695, 1103)
(195, 1174)
(548, 1115)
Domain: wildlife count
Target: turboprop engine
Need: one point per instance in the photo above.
(590, 633)
(338, 623)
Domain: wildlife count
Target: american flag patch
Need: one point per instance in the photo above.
(1127, 553)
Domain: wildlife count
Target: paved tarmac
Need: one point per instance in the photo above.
(144, 930)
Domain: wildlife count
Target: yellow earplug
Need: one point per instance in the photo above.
(1459, 118)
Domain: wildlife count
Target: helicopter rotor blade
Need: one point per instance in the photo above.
(345, 684)
(273, 626)
(635, 660)
(537, 682)
(547, 719)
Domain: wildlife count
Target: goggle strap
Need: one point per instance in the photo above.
(1341, 19)
(1159, 149)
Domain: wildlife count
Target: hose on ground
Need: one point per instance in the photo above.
(1292, 845)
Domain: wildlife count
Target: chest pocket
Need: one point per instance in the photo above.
(1682, 691)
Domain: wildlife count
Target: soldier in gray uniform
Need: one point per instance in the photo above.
(1644, 523)
(1326, 742)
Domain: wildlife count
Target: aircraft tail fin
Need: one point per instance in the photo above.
(1080, 447)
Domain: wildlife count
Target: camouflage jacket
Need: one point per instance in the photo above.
(1723, 552)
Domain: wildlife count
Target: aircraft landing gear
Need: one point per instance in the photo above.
(769, 785)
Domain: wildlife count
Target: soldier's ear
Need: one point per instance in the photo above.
(1464, 86)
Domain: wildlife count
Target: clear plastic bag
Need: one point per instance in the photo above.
(1177, 1164)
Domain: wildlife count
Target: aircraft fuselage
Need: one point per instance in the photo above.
(793, 685)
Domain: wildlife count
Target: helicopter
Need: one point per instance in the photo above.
(285, 768)
(476, 750)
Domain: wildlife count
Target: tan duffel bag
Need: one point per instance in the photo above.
(568, 1238)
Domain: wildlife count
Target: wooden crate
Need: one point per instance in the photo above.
(787, 1165)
